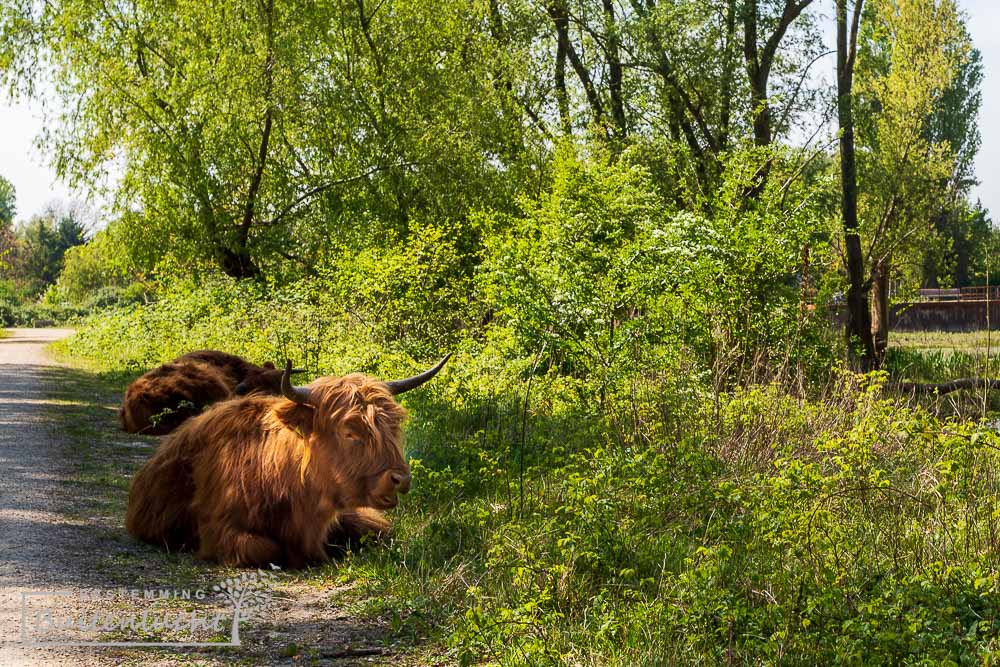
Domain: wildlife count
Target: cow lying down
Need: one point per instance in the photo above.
(277, 479)
(162, 399)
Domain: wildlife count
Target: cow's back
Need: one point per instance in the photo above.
(159, 401)
(235, 368)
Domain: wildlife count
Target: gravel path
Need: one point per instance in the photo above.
(40, 548)
(59, 534)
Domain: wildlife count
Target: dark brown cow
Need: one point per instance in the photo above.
(265, 479)
(161, 400)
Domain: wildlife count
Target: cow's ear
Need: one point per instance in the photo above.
(296, 416)
(268, 364)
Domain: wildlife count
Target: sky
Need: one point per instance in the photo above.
(22, 164)
(36, 182)
(984, 24)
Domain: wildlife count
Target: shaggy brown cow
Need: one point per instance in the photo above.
(161, 400)
(267, 479)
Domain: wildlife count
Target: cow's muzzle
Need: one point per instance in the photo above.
(389, 485)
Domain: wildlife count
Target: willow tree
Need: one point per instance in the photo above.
(254, 132)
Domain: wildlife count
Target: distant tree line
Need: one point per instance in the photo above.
(32, 252)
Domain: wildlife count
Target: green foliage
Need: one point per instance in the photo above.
(908, 70)
(569, 272)
(93, 273)
(420, 295)
(279, 127)
(674, 525)
(669, 523)
(8, 202)
(42, 244)
(600, 269)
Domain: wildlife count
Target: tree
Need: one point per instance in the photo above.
(7, 210)
(8, 202)
(42, 243)
(961, 225)
(681, 62)
(911, 52)
(858, 327)
(257, 133)
(961, 259)
(760, 57)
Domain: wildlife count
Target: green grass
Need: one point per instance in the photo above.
(939, 357)
(977, 342)
(655, 519)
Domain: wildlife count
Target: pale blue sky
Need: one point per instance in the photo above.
(36, 184)
(984, 24)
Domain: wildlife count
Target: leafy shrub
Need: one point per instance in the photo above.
(603, 274)
(91, 268)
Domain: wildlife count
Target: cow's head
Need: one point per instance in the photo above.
(354, 428)
(263, 380)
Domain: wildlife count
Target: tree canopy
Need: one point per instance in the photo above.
(270, 140)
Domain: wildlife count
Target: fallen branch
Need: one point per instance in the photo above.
(948, 387)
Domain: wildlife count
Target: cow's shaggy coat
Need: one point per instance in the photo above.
(162, 399)
(266, 479)
(244, 377)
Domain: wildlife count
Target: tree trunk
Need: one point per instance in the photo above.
(562, 97)
(880, 309)
(859, 322)
(804, 287)
(949, 387)
(615, 74)
(558, 11)
(757, 75)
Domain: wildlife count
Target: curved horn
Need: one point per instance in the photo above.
(397, 387)
(289, 391)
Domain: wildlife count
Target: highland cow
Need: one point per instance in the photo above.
(278, 479)
(162, 399)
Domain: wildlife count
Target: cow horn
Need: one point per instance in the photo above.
(290, 391)
(397, 387)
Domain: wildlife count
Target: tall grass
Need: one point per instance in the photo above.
(935, 365)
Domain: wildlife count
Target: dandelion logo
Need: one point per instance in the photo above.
(249, 593)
